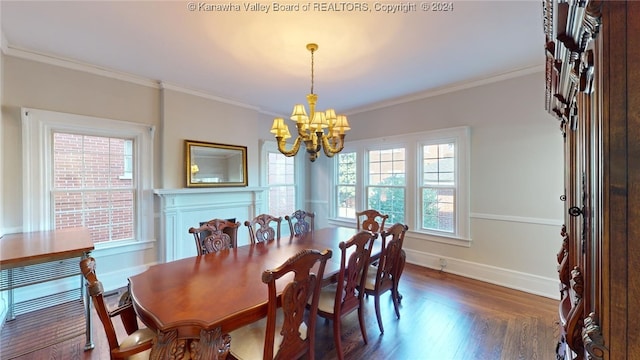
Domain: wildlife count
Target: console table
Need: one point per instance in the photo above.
(36, 257)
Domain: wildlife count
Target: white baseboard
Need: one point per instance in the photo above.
(533, 284)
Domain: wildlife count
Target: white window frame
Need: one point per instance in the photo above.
(334, 189)
(37, 136)
(420, 186)
(413, 149)
(269, 147)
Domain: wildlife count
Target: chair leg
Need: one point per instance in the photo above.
(403, 260)
(336, 338)
(378, 315)
(396, 302)
(363, 329)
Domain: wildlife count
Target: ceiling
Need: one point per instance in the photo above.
(259, 59)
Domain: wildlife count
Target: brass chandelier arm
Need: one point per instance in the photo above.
(282, 144)
(329, 150)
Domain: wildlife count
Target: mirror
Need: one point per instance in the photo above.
(210, 164)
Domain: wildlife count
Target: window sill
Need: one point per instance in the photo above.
(342, 222)
(123, 246)
(450, 240)
(443, 239)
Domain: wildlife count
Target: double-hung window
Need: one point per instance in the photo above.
(386, 183)
(438, 187)
(346, 185)
(87, 171)
(91, 185)
(419, 179)
(281, 183)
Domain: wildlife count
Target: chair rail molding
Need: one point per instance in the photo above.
(180, 209)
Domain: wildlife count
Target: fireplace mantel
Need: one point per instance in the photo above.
(181, 209)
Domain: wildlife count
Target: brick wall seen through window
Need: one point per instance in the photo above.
(92, 186)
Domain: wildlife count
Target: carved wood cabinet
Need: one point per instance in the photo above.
(593, 89)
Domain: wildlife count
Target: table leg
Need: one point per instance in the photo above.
(168, 346)
(212, 345)
(84, 295)
(86, 299)
(11, 312)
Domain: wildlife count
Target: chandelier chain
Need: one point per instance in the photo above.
(312, 71)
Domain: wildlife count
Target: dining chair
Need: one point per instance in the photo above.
(215, 235)
(261, 228)
(300, 222)
(344, 296)
(385, 275)
(371, 220)
(137, 345)
(286, 312)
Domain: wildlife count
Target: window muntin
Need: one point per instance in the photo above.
(438, 190)
(346, 185)
(387, 182)
(88, 188)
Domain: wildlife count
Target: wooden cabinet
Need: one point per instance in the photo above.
(593, 89)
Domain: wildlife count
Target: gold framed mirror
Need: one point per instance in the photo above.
(215, 165)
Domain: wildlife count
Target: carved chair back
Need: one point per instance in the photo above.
(300, 222)
(371, 220)
(345, 296)
(264, 227)
(215, 235)
(386, 275)
(303, 289)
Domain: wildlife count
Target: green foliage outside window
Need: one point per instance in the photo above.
(346, 184)
(438, 209)
(388, 198)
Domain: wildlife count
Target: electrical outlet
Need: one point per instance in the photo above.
(443, 263)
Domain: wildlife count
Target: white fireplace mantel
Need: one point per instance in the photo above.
(181, 209)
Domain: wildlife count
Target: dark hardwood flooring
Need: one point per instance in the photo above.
(443, 317)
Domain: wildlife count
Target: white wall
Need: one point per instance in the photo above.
(516, 179)
(189, 117)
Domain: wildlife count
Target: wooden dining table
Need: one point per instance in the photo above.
(193, 303)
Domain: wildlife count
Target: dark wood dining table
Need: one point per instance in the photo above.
(194, 302)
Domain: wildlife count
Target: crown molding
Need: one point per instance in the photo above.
(26, 54)
(114, 74)
(448, 89)
(178, 88)
(79, 66)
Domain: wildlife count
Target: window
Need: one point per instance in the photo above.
(281, 183)
(88, 189)
(75, 170)
(386, 189)
(438, 190)
(346, 185)
(419, 179)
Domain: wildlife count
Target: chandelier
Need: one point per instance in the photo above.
(311, 129)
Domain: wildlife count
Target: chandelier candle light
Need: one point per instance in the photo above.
(311, 128)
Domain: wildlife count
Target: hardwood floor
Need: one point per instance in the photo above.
(443, 317)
